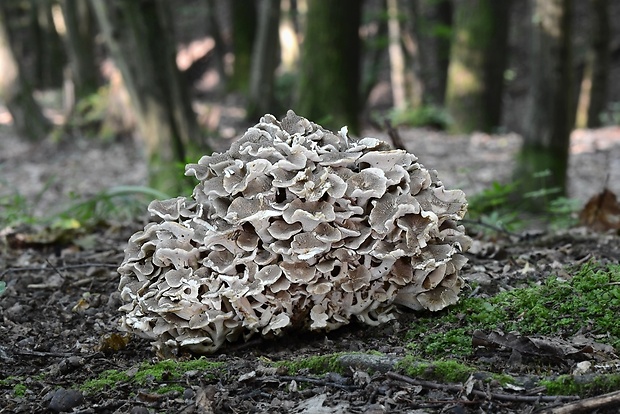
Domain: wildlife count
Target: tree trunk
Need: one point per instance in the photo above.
(432, 27)
(49, 53)
(265, 58)
(476, 72)
(432, 24)
(599, 61)
(15, 92)
(374, 52)
(550, 116)
(397, 57)
(330, 64)
(215, 31)
(139, 37)
(244, 24)
(80, 45)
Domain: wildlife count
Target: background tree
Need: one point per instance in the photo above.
(397, 57)
(265, 57)
(80, 44)
(432, 26)
(44, 45)
(16, 92)
(244, 23)
(476, 71)
(215, 31)
(550, 116)
(140, 39)
(598, 61)
(330, 64)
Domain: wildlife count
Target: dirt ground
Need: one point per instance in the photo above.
(59, 313)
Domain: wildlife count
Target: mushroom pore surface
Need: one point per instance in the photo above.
(294, 226)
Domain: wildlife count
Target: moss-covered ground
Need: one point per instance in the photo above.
(162, 373)
(587, 302)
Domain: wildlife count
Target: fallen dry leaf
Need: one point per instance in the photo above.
(113, 342)
(601, 212)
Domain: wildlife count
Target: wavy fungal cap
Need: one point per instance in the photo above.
(293, 227)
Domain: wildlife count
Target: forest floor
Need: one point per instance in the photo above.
(61, 350)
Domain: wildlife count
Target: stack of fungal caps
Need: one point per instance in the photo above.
(293, 227)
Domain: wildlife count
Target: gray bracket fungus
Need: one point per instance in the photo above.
(293, 227)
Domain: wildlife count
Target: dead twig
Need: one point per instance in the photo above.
(492, 395)
(588, 405)
(57, 268)
(497, 229)
(394, 135)
(26, 352)
(317, 381)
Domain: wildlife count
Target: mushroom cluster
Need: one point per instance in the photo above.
(293, 227)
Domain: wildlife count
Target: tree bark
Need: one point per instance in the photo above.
(476, 72)
(599, 61)
(28, 120)
(550, 116)
(80, 45)
(216, 32)
(397, 58)
(265, 57)
(139, 37)
(434, 42)
(244, 25)
(49, 53)
(432, 25)
(330, 64)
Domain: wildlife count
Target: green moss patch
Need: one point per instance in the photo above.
(441, 370)
(107, 379)
(584, 385)
(167, 370)
(317, 364)
(591, 298)
(19, 390)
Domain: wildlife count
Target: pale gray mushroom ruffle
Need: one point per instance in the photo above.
(293, 227)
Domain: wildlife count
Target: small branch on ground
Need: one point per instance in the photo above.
(317, 381)
(492, 227)
(588, 405)
(57, 268)
(394, 135)
(25, 352)
(492, 395)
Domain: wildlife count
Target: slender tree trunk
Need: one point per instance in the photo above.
(139, 37)
(476, 72)
(330, 64)
(50, 58)
(244, 25)
(599, 61)
(216, 32)
(550, 117)
(432, 25)
(397, 57)
(374, 53)
(80, 45)
(265, 57)
(289, 37)
(28, 120)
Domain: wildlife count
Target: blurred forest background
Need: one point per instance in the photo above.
(184, 76)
